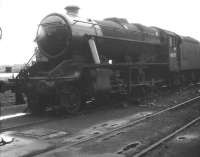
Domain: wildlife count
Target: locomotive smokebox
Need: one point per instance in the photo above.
(54, 36)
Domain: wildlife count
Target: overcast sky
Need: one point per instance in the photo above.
(19, 19)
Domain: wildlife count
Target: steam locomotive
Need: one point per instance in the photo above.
(79, 59)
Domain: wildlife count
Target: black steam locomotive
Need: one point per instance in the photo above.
(78, 59)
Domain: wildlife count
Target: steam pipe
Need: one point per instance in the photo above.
(94, 51)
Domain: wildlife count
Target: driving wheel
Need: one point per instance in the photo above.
(70, 99)
(35, 104)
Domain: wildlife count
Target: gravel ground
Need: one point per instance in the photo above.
(170, 97)
(128, 141)
(97, 118)
(184, 144)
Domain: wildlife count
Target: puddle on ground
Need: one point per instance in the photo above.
(187, 137)
(75, 138)
(129, 147)
(140, 114)
(83, 136)
(112, 124)
(119, 122)
(80, 137)
(111, 136)
(56, 135)
(105, 127)
(42, 133)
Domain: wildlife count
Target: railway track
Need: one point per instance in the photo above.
(29, 120)
(22, 107)
(25, 120)
(141, 119)
(12, 109)
(129, 125)
(166, 138)
(40, 121)
(26, 124)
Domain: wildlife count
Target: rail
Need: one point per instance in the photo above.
(164, 139)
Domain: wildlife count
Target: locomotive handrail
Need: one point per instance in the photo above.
(30, 59)
(25, 66)
(53, 24)
(125, 65)
(53, 78)
(93, 24)
(99, 66)
(121, 39)
(111, 28)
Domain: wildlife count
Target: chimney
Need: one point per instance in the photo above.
(72, 10)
